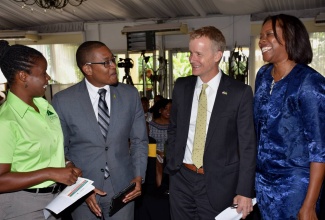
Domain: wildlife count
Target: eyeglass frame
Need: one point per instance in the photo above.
(110, 62)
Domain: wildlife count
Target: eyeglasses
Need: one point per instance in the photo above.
(107, 63)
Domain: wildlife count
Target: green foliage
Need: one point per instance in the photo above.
(181, 65)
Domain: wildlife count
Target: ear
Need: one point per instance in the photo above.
(87, 70)
(218, 56)
(22, 76)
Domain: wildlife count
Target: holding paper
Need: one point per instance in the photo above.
(68, 196)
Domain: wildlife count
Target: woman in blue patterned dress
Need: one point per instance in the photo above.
(158, 130)
(289, 109)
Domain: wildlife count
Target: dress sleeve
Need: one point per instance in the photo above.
(312, 105)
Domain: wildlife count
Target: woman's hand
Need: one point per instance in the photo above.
(67, 176)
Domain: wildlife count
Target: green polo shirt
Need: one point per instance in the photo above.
(30, 140)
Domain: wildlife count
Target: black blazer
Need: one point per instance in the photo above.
(230, 149)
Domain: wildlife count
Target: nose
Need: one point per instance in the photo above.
(190, 58)
(112, 65)
(262, 37)
(48, 76)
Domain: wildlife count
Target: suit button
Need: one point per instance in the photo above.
(106, 148)
(102, 170)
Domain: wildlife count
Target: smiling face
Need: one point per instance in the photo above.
(38, 78)
(98, 74)
(273, 51)
(204, 58)
(165, 112)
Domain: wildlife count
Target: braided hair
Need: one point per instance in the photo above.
(16, 58)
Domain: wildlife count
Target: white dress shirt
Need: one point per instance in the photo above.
(211, 92)
(94, 96)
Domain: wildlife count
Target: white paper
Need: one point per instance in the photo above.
(231, 213)
(68, 196)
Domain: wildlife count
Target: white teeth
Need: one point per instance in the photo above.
(44, 86)
(264, 49)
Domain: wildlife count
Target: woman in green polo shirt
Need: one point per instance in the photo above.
(31, 140)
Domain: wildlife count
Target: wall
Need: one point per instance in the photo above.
(54, 38)
(235, 29)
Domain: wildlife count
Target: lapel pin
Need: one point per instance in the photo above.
(114, 96)
(224, 93)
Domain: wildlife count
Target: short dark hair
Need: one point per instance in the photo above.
(295, 36)
(84, 52)
(16, 58)
(144, 99)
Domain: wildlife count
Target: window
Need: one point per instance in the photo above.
(182, 66)
(61, 59)
(317, 41)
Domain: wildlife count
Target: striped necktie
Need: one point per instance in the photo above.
(103, 120)
(200, 129)
(103, 113)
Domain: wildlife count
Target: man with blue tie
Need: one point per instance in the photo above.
(104, 132)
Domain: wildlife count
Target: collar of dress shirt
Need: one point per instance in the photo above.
(93, 90)
(213, 83)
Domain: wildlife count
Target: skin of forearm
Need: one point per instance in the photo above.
(317, 174)
(12, 181)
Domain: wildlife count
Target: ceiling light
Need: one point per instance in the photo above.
(52, 4)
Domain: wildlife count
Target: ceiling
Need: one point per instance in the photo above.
(14, 16)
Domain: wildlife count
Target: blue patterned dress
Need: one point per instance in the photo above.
(290, 127)
(159, 133)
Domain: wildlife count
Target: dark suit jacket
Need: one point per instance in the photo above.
(230, 149)
(84, 143)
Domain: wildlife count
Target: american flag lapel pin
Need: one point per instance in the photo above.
(224, 93)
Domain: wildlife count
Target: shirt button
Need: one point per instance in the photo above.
(106, 148)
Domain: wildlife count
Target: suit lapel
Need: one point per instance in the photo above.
(219, 105)
(88, 110)
(115, 97)
(188, 97)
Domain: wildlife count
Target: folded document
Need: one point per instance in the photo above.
(68, 196)
(231, 213)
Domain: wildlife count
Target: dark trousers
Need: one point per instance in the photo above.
(188, 196)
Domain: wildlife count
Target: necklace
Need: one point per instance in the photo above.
(272, 85)
(273, 82)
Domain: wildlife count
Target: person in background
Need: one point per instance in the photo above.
(31, 140)
(290, 122)
(158, 131)
(156, 98)
(145, 106)
(104, 132)
(211, 149)
(149, 84)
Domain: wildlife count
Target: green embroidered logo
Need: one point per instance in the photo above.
(49, 113)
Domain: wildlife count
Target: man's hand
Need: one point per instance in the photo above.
(92, 203)
(245, 205)
(136, 192)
